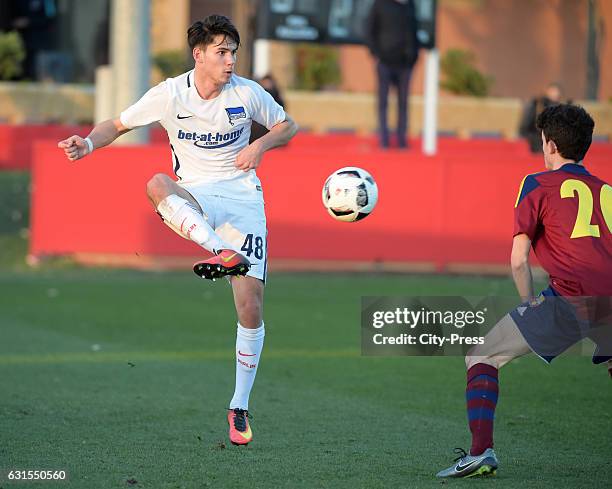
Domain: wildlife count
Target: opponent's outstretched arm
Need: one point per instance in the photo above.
(101, 135)
(279, 135)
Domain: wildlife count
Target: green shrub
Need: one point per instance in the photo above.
(172, 63)
(461, 77)
(317, 67)
(12, 53)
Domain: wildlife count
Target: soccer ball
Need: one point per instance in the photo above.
(350, 194)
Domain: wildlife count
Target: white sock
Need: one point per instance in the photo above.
(249, 343)
(183, 218)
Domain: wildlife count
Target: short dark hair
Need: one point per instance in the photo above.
(570, 127)
(203, 32)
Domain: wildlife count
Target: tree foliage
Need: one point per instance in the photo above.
(461, 76)
(12, 54)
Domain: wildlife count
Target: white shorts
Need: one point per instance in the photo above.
(240, 223)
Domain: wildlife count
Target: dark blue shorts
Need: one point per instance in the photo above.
(553, 324)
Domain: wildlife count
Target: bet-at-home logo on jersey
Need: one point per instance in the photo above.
(209, 140)
(235, 113)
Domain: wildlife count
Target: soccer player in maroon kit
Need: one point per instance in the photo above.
(565, 214)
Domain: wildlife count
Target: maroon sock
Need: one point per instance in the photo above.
(481, 396)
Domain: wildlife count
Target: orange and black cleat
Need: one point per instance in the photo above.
(224, 263)
(239, 430)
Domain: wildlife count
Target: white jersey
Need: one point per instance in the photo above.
(207, 135)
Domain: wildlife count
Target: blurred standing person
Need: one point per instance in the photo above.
(552, 96)
(391, 36)
(268, 83)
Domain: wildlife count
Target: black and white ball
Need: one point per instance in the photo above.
(350, 194)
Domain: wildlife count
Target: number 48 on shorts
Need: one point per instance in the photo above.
(253, 245)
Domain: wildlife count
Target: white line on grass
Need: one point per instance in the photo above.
(161, 356)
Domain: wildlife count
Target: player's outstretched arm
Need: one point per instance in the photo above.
(521, 272)
(101, 135)
(279, 135)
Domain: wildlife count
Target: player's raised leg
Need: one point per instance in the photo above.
(182, 213)
(248, 298)
(501, 345)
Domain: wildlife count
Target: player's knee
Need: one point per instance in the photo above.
(470, 358)
(469, 361)
(250, 318)
(473, 358)
(249, 311)
(157, 187)
(251, 307)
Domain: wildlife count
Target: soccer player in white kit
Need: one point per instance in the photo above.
(216, 199)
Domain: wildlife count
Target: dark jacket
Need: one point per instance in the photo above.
(527, 127)
(391, 32)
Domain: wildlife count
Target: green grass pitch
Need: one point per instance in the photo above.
(121, 376)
